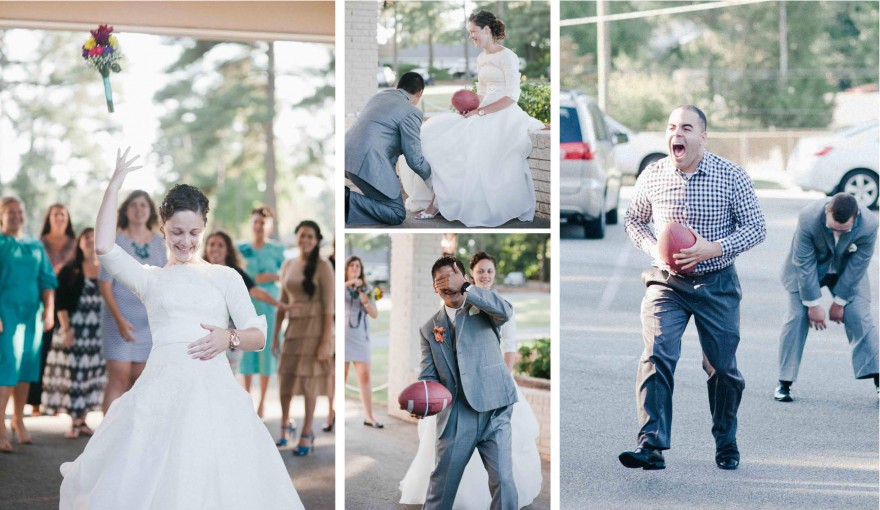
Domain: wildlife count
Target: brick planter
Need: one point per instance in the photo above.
(537, 393)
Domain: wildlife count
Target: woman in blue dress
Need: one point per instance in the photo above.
(125, 330)
(263, 258)
(27, 293)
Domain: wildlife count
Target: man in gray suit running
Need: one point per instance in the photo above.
(461, 350)
(832, 247)
(389, 125)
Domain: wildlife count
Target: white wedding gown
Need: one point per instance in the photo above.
(479, 171)
(473, 491)
(185, 437)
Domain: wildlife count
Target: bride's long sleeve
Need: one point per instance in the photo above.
(510, 68)
(241, 308)
(126, 269)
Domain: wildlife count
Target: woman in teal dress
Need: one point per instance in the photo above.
(27, 301)
(263, 258)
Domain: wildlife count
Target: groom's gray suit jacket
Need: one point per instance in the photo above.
(471, 361)
(388, 126)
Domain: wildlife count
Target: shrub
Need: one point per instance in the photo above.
(535, 359)
(534, 99)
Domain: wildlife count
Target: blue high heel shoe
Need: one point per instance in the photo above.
(302, 451)
(291, 431)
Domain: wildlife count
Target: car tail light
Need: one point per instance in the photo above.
(576, 150)
(823, 151)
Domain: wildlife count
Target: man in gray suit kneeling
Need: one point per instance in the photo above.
(832, 247)
(389, 125)
(461, 350)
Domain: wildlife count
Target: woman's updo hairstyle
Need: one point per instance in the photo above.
(183, 197)
(312, 260)
(487, 19)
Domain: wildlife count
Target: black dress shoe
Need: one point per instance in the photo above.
(728, 457)
(643, 457)
(783, 394)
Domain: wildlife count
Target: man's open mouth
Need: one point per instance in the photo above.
(678, 150)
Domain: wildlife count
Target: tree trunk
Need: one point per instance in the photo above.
(783, 47)
(269, 129)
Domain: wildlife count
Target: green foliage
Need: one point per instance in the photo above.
(534, 99)
(728, 60)
(535, 359)
(528, 253)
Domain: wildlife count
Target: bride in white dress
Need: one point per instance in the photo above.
(473, 492)
(186, 435)
(479, 172)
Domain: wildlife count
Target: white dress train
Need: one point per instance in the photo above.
(473, 491)
(186, 436)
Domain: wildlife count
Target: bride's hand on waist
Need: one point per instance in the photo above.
(214, 343)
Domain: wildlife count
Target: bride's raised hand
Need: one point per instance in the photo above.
(123, 167)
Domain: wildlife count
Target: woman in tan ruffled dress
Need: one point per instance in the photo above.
(306, 366)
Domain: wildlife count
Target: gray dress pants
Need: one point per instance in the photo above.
(489, 433)
(670, 301)
(373, 207)
(861, 332)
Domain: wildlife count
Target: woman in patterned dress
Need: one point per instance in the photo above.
(73, 381)
(263, 258)
(59, 240)
(27, 286)
(306, 366)
(125, 331)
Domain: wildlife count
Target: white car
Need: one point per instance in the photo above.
(515, 278)
(386, 76)
(589, 181)
(844, 161)
(378, 274)
(640, 149)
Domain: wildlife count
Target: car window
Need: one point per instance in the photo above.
(598, 122)
(570, 128)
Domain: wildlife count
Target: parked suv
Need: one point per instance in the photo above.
(589, 181)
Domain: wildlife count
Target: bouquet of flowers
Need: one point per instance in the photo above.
(101, 50)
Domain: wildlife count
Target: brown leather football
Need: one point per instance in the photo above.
(674, 238)
(465, 100)
(425, 398)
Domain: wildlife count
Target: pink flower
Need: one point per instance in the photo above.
(439, 333)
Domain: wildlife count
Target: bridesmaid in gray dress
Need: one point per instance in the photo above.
(358, 307)
(124, 327)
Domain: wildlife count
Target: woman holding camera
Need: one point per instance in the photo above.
(359, 306)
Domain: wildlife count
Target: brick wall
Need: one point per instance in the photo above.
(539, 164)
(540, 401)
(361, 54)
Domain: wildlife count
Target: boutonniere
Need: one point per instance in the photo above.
(852, 248)
(474, 310)
(439, 333)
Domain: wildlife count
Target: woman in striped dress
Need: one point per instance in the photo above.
(73, 381)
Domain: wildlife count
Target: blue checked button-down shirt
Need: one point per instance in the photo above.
(718, 201)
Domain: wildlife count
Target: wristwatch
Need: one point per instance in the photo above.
(234, 340)
(464, 287)
(481, 112)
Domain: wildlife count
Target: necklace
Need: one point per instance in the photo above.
(141, 250)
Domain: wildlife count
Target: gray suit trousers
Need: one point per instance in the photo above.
(373, 207)
(670, 300)
(861, 331)
(466, 429)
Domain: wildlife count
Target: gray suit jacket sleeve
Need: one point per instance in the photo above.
(803, 257)
(429, 371)
(411, 144)
(491, 302)
(854, 270)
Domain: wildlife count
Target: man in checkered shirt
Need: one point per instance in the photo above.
(715, 199)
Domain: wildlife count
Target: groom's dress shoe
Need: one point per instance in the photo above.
(783, 393)
(728, 457)
(643, 457)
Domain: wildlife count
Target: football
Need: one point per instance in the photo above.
(465, 100)
(674, 238)
(425, 398)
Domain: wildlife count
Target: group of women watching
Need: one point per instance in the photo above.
(72, 339)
